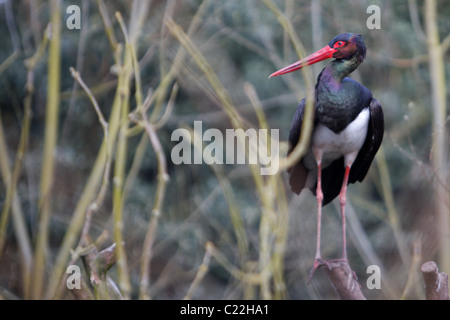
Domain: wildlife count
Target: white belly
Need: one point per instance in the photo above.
(332, 146)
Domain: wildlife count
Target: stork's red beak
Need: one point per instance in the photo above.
(324, 53)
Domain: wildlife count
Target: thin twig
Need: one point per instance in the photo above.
(202, 271)
(18, 163)
(163, 179)
(307, 126)
(208, 71)
(97, 203)
(9, 61)
(251, 278)
(166, 115)
(388, 196)
(109, 29)
(50, 144)
(413, 269)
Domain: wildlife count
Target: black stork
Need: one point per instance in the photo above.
(348, 130)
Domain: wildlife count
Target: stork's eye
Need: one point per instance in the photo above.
(339, 44)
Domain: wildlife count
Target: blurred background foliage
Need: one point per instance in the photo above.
(393, 220)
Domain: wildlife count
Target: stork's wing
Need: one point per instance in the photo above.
(297, 173)
(371, 145)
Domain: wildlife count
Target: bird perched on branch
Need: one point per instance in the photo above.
(348, 130)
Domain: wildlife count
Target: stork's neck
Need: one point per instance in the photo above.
(338, 69)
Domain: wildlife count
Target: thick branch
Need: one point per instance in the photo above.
(436, 283)
(344, 280)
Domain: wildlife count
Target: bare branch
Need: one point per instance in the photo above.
(94, 206)
(202, 270)
(344, 280)
(436, 283)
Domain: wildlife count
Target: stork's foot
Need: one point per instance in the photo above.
(318, 262)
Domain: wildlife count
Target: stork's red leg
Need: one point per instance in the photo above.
(343, 201)
(318, 261)
(319, 194)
